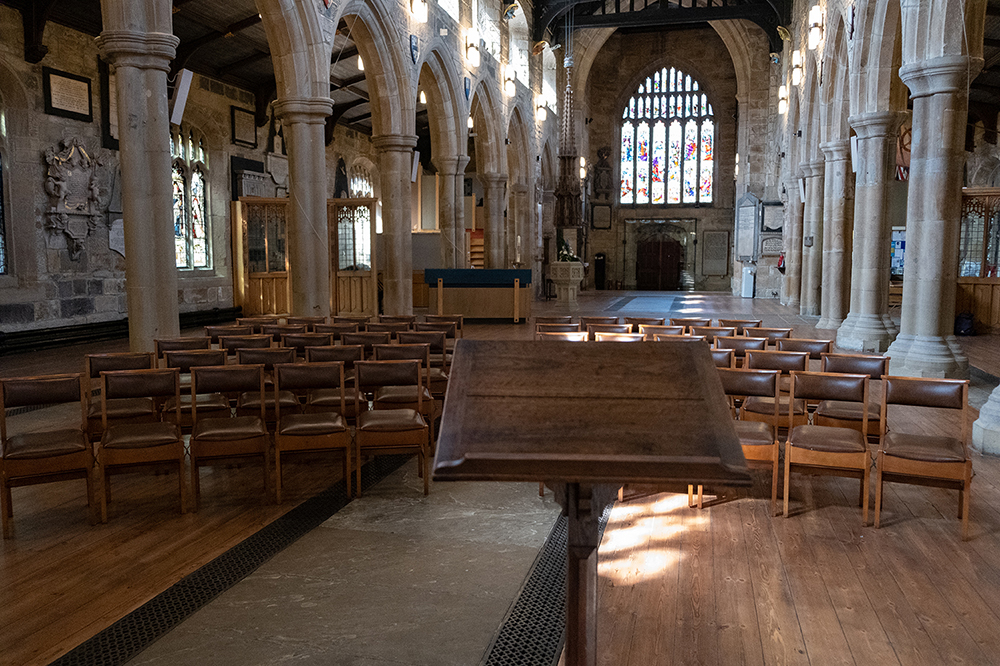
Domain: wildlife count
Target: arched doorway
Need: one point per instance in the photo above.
(664, 254)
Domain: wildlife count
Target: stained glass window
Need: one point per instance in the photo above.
(668, 142)
(189, 184)
(3, 232)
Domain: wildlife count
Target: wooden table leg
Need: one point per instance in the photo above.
(582, 505)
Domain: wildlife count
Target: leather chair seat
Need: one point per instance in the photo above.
(847, 411)
(319, 423)
(140, 435)
(754, 433)
(759, 405)
(329, 400)
(391, 420)
(251, 400)
(207, 402)
(827, 439)
(240, 427)
(926, 448)
(402, 395)
(123, 408)
(33, 445)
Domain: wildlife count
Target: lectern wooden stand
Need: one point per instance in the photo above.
(586, 418)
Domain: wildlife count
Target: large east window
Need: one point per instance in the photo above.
(668, 142)
(189, 182)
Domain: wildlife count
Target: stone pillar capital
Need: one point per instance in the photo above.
(877, 124)
(813, 168)
(142, 50)
(494, 179)
(394, 143)
(308, 110)
(447, 165)
(836, 151)
(947, 74)
(519, 188)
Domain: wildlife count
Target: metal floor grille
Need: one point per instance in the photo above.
(534, 630)
(139, 629)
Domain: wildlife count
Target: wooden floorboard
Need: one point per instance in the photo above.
(729, 584)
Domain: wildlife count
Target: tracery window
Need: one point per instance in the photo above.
(668, 142)
(189, 183)
(360, 182)
(3, 227)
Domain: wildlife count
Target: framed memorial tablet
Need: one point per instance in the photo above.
(244, 127)
(67, 95)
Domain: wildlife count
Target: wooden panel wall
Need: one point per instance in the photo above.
(981, 297)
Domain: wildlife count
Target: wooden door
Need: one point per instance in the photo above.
(353, 270)
(260, 274)
(658, 265)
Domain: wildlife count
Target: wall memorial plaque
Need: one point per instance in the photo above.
(600, 217)
(244, 127)
(67, 95)
(771, 246)
(747, 224)
(715, 253)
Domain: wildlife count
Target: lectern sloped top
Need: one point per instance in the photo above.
(587, 413)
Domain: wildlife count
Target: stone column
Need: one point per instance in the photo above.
(494, 185)
(461, 256)
(986, 429)
(793, 245)
(395, 154)
(308, 236)
(838, 221)
(926, 346)
(141, 59)
(447, 221)
(521, 225)
(867, 327)
(812, 231)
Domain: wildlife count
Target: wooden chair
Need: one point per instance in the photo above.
(649, 330)
(815, 348)
(556, 328)
(366, 340)
(713, 332)
(607, 328)
(326, 400)
(397, 319)
(457, 319)
(450, 329)
(639, 321)
(318, 429)
(277, 330)
(439, 358)
(690, 321)
(126, 447)
(360, 320)
(183, 361)
(405, 397)
(819, 449)
(256, 323)
(723, 358)
(740, 346)
(554, 319)
(215, 332)
(619, 337)
(127, 409)
(666, 337)
(249, 402)
(230, 343)
(336, 330)
(299, 341)
(741, 325)
(758, 439)
(392, 328)
(48, 455)
(920, 458)
(567, 336)
(390, 430)
(587, 321)
(219, 439)
(772, 334)
(759, 408)
(848, 414)
(161, 345)
(308, 322)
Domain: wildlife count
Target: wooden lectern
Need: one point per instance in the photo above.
(586, 418)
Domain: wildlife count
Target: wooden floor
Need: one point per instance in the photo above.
(726, 585)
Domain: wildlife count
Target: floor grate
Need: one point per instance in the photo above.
(533, 632)
(139, 629)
